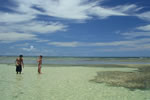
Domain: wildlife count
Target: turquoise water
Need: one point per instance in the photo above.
(62, 83)
(79, 60)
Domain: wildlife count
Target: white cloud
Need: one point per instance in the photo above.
(127, 8)
(23, 20)
(25, 31)
(12, 37)
(20, 25)
(105, 12)
(121, 10)
(43, 27)
(84, 9)
(64, 44)
(14, 17)
(40, 40)
(72, 9)
(144, 16)
(36, 27)
(31, 48)
(134, 48)
(115, 43)
(138, 32)
(122, 49)
(68, 9)
(131, 35)
(144, 28)
(128, 45)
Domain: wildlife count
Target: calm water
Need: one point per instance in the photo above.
(79, 60)
(62, 83)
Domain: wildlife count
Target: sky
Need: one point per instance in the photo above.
(103, 28)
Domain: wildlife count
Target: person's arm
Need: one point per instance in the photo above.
(22, 63)
(16, 62)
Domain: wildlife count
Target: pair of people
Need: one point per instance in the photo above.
(20, 64)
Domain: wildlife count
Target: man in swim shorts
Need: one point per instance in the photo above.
(19, 64)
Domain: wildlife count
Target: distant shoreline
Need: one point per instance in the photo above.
(80, 56)
(77, 60)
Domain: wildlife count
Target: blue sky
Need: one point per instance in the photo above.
(75, 27)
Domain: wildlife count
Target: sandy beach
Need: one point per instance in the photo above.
(63, 83)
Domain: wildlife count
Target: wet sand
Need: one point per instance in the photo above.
(63, 83)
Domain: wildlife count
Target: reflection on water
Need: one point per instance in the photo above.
(38, 88)
(18, 87)
(19, 77)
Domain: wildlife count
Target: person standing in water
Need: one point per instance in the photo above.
(39, 64)
(19, 64)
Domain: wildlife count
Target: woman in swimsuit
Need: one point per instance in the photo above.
(39, 64)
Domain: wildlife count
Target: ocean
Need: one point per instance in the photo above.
(78, 60)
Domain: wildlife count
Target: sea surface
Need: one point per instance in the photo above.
(78, 60)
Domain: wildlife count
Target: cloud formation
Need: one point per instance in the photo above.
(33, 27)
(13, 37)
(134, 34)
(27, 31)
(134, 42)
(126, 45)
(65, 44)
(67, 9)
(74, 9)
(22, 24)
(144, 28)
(15, 17)
(31, 48)
(144, 16)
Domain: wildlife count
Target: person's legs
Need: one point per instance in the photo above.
(20, 69)
(16, 69)
(39, 69)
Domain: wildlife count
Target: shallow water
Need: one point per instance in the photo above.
(62, 83)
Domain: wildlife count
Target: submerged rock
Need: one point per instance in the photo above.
(132, 80)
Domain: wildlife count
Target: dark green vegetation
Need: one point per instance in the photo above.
(139, 79)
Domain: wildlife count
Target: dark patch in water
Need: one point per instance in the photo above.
(17, 95)
(139, 79)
